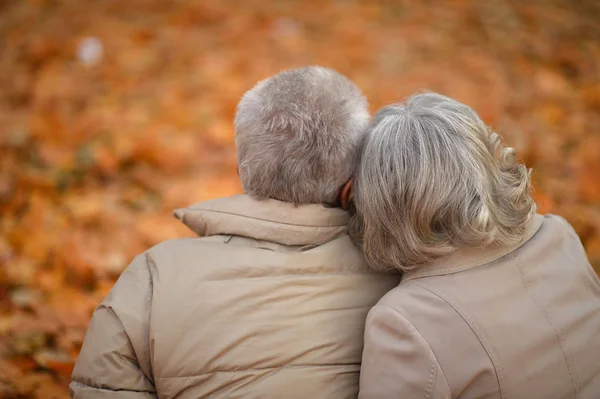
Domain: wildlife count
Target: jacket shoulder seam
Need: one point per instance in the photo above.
(557, 331)
(293, 366)
(478, 334)
(434, 365)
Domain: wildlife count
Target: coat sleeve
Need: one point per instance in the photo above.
(114, 361)
(397, 361)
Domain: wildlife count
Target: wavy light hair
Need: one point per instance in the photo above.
(434, 178)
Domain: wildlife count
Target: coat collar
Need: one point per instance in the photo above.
(468, 258)
(269, 220)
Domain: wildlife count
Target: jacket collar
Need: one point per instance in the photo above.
(269, 220)
(468, 258)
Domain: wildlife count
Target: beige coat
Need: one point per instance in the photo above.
(521, 322)
(270, 302)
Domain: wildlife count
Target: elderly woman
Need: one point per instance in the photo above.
(496, 301)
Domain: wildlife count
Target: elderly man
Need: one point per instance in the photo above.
(270, 301)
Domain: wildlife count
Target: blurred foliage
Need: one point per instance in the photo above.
(112, 113)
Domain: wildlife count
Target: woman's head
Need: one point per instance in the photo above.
(434, 178)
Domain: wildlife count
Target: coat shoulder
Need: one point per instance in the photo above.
(408, 296)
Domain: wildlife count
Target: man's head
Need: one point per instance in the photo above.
(298, 135)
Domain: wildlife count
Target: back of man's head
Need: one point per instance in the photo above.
(298, 135)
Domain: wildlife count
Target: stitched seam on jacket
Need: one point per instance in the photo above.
(265, 220)
(133, 361)
(436, 362)
(293, 366)
(307, 275)
(77, 381)
(557, 331)
(432, 376)
(150, 261)
(478, 334)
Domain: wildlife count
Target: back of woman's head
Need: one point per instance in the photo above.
(434, 178)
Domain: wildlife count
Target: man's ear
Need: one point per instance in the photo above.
(346, 194)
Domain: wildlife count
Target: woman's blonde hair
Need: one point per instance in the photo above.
(434, 178)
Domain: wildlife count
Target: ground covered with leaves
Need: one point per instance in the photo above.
(114, 113)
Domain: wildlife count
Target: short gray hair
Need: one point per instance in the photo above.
(434, 178)
(298, 135)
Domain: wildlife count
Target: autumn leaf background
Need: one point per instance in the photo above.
(113, 113)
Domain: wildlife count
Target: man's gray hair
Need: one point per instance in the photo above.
(298, 135)
(434, 178)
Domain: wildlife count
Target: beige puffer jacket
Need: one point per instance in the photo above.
(269, 302)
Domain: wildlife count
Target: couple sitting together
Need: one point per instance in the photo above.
(393, 257)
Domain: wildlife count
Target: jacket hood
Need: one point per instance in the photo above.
(269, 220)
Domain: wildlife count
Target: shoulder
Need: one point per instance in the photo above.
(558, 226)
(399, 358)
(408, 295)
(557, 235)
(185, 248)
(180, 258)
(422, 304)
(562, 224)
(418, 304)
(181, 244)
(395, 312)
